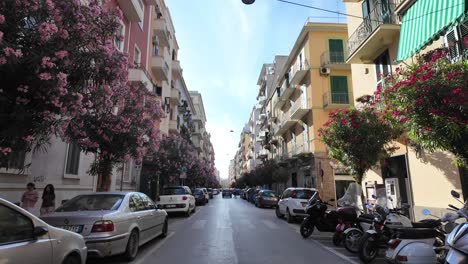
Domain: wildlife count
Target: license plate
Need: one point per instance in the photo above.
(170, 206)
(73, 228)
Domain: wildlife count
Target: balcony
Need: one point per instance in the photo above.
(132, 9)
(176, 70)
(271, 117)
(286, 124)
(298, 71)
(302, 149)
(173, 126)
(159, 65)
(261, 99)
(402, 6)
(161, 30)
(300, 108)
(262, 116)
(141, 76)
(263, 154)
(286, 90)
(337, 100)
(175, 96)
(377, 31)
(334, 60)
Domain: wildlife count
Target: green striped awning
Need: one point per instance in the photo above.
(425, 21)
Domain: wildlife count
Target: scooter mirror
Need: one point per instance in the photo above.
(374, 197)
(455, 194)
(426, 212)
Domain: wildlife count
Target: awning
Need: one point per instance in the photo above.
(426, 21)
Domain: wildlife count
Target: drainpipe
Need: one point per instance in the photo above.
(410, 186)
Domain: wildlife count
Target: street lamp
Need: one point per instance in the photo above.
(248, 2)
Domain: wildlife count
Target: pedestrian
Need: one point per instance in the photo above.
(48, 200)
(30, 197)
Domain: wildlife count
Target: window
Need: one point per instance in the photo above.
(92, 202)
(137, 57)
(335, 46)
(382, 67)
(147, 202)
(136, 203)
(120, 37)
(14, 227)
(174, 191)
(339, 90)
(15, 160)
(127, 171)
(142, 5)
(73, 159)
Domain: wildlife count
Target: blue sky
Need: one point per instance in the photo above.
(223, 44)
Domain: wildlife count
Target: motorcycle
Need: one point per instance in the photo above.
(457, 240)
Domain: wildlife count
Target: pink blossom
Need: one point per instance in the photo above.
(50, 5)
(1, 36)
(3, 60)
(46, 63)
(5, 151)
(28, 138)
(45, 76)
(61, 54)
(456, 91)
(46, 30)
(2, 19)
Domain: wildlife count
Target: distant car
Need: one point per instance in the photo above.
(215, 191)
(111, 222)
(249, 194)
(253, 195)
(200, 198)
(24, 238)
(210, 193)
(293, 201)
(227, 193)
(266, 198)
(177, 199)
(207, 195)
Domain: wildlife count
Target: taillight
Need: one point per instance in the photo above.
(393, 243)
(103, 226)
(184, 198)
(293, 194)
(402, 258)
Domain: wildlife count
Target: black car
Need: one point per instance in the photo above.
(210, 192)
(226, 193)
(200, 198)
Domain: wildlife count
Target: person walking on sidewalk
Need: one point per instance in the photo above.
(30, 197)
(48, 200)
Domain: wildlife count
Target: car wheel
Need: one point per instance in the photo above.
(289, 218)
(165, 228)
(72, 259)
(131, 250)
(278, 213)
(194, 209)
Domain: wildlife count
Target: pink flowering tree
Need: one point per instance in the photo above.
(429, 100)
(358, 139)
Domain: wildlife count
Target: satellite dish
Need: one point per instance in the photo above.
(248, 2)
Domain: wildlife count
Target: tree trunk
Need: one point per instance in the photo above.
(104, 175)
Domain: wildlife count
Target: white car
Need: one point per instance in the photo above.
(24, 238)
(293, 202)
(207, 195)
(177, 199)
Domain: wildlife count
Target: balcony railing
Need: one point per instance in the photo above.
(332, 57)
(336, 98)
(382, 14)
(299, 108)
(298, 71)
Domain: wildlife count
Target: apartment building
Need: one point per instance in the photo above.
(384, 35)
(200, 137)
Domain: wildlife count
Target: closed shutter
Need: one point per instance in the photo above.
(339, 90)
(336, 50)
(451, 41)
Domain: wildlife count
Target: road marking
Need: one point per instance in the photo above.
(199, 224)
(270, 224)
(336, 253)
(142, 258)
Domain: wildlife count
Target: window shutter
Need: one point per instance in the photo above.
(451, 41)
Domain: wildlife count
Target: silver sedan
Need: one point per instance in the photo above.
(112, 222)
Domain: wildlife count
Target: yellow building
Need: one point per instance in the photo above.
(378, 38)
(313, 82)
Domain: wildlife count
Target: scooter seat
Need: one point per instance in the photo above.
(428, 223)
(416, 233)
(367, 216)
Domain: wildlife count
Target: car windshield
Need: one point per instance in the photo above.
(303, 194)
(92, 202)
(197, 191)
(268, 194)
(173, 191)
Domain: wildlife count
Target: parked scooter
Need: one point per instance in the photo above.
(457, 240)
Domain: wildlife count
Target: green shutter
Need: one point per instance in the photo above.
(336, 50)
(425, 21)
(339, 90)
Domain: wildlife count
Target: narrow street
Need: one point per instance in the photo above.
(235, 231)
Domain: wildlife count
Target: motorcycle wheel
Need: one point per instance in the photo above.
(368, 248)
(337, 238)
(306, 229)
(351, 240)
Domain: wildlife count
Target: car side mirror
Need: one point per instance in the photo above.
(40, 231)
(455, 194)
(159, 207)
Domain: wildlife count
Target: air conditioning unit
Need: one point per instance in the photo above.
(324, 71)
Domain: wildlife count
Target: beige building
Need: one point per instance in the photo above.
(392, 31)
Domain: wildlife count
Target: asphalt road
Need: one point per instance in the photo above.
(236, 232)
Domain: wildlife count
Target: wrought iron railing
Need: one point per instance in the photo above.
(382, 14)
(335, 98)
(333, 57)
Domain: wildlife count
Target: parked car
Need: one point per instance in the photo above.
(215, 191)
(293, 201)
(111, 222)
(266, 198)
(250, 194)
(253, 195)
(227, 193)
(177, 199)
(207, 195)
(22, 232)
(200, 198)
(210, 193)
